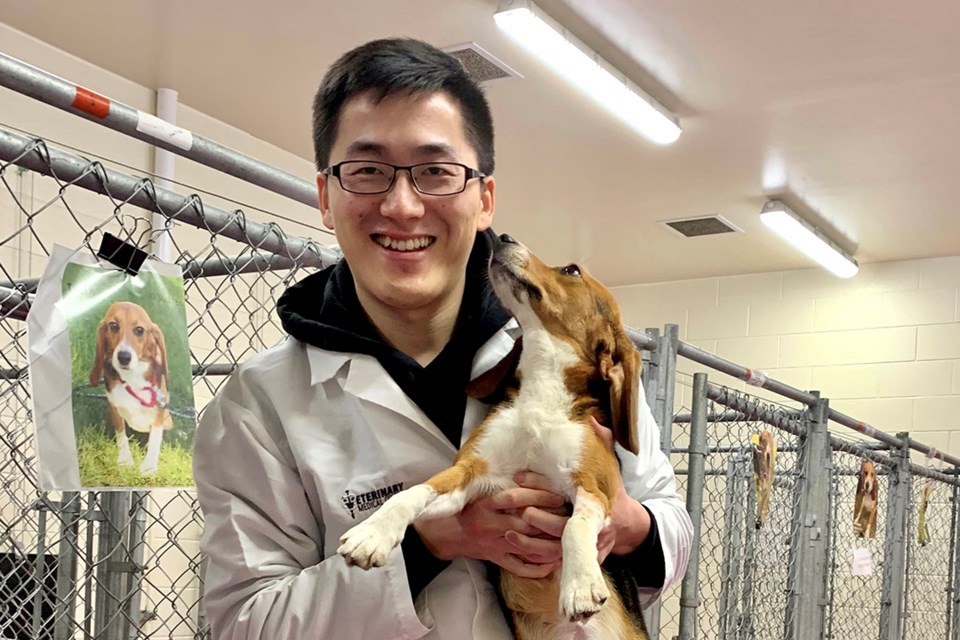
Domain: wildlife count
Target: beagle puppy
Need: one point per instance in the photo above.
(865, 504)
(576, 361)
(132, 360)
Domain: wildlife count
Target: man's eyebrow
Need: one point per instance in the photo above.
(378, 150)
(434, 149)
(366, 146)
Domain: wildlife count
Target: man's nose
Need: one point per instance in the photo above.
(403, 199)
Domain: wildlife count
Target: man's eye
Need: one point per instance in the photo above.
(365, 170)
(436, 170)
(570, 270)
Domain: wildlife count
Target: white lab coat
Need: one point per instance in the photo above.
(299, 435)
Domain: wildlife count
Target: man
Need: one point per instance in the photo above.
(308, 438)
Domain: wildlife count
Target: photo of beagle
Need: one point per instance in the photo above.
(865, 505)
(764, 465)
(131, 359)
(576, 361)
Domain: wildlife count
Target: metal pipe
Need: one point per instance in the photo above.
(93, 176)
(689, 588)
(55, 91)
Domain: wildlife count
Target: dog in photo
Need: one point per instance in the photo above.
(865, 504)
(131, 359)
(576, 361)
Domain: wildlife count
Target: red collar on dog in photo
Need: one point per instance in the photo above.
(154, 395)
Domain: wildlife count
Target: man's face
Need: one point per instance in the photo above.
(405, 130)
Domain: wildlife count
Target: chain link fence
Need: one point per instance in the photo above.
(743, 568)
(118, 564)
(854, 600)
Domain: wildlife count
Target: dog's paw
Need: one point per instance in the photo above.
(583, 596)
(367, 545)
(125, 458)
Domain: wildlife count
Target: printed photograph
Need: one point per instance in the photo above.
(132, 389)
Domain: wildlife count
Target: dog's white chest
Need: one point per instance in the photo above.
(137, 416)
(535, 432)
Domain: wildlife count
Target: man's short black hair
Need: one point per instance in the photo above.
(400, 65)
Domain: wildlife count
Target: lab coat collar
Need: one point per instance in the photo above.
(365, 378)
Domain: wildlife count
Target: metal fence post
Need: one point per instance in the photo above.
(662, 408)
(745, 619)
(953, 631)
(68, 510)
(651, 363)
(696, 477)
(734, 522)
(110, 621)
(667, 384)
(807, 572)
(892, 604)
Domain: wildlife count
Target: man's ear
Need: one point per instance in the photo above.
(487, 203)
(324, 200)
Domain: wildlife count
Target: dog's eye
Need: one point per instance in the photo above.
(138, 331)
(114, 326)
(570, 270)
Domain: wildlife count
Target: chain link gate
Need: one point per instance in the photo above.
(115, 565)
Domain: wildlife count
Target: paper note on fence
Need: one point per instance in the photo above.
(862, 563)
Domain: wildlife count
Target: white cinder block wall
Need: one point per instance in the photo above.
(884, 346)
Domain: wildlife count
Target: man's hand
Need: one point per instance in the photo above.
(493, 528)
(629, 521)
(519, 529)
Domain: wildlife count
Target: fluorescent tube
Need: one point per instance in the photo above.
(804, 236)
(547, 39)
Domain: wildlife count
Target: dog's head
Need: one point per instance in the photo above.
(130, 343)
(867, 484)
(573, 307)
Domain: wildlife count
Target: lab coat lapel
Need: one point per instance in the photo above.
(492, 352)
(367, 380)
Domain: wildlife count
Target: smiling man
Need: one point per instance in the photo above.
(367, 397)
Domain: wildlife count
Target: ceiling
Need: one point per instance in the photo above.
(847, 110)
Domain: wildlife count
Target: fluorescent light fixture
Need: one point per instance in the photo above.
(547, 39)
(809, 239)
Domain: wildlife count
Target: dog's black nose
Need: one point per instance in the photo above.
(123, 357)
(507, 239)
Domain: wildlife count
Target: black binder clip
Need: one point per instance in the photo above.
(121, 254)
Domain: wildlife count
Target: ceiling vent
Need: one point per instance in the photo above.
(481, 65)
(702, 226)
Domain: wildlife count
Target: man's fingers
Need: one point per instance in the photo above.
(531, 549)
(532, 480)
(604, 433)
(523, 497)
(516, 565)
(549, 523)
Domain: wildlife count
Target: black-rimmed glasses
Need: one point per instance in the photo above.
(367, 177)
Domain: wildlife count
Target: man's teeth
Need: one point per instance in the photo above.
(404, 245)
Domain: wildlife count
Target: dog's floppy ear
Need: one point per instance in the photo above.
(861, 477)
(97, 371)
(160, 354)
(621, 369)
